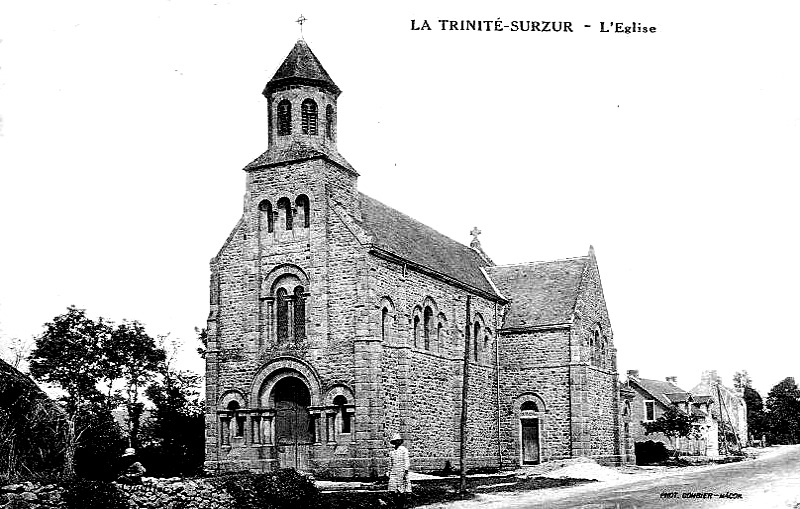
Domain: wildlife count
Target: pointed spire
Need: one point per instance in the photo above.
(301, 67)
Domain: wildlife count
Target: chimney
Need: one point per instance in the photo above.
(633, 373)
(672, 379)
(709, 377)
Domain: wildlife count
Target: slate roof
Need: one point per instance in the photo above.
(297, 151)
(541, 293)
(301, 66)
(678, 397)
(660, 390)
(400, 235)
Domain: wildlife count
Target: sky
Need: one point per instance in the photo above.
(124, 128)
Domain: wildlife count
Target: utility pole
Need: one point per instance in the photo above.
(735, 431)
(464, 393)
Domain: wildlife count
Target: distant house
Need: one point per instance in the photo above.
(730, 409)
(653, 397)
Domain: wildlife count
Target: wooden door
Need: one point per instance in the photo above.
(530, 441)
(293, 424)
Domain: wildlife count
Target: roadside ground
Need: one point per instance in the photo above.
(546, 479)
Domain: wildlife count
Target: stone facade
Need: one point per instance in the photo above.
(336, 321)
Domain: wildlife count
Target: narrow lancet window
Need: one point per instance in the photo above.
(267, 220)
(284, 118)
(329, 122)
(309, 116)
(427, 327)
(303, 211)
(282, 315)
(299, 314)
(285, 207)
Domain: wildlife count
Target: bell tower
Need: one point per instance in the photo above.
(302, 103)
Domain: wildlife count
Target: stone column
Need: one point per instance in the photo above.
(315, 414)
(225, 429)
(330, 426)
(268, 427)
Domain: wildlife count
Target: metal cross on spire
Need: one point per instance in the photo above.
(302, 19)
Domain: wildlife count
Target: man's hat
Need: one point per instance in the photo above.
(396, 438)
(130, 451)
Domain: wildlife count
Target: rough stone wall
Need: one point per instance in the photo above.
(242, 337)
(423, 387)
(595, 392)
(536, 363)
(573, 375)
(152, 493)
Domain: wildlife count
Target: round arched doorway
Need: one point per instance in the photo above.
(294, 427)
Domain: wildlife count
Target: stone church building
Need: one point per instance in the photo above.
(337, 321)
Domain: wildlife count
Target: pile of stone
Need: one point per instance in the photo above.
(31, 495)
(151, 494)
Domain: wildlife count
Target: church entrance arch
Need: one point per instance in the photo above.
(530, 411)
(294, 427)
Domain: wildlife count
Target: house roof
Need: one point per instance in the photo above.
(663, 392)
(301, 67)
(400, 235)
(679, 397)
(541, 293)
(298, 151)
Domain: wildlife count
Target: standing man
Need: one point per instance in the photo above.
(399, 463)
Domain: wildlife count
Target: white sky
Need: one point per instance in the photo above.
(125, 127)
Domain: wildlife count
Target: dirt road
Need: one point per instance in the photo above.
(771, 481)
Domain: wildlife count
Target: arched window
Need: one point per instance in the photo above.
(476, 339)
(439, 335)
(428, 326)
(238, 420)
(285, 207)
(340, 401)
(596, 350)
(299, 314)
(303, 210)
(282, 314)
(329, 122)
(285, 307)
(416, 330)
(309, 116)
(530, 406)
(384, 323)
(267, 221)
(603, 353)
(284, 118)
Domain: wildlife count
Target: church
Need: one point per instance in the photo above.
(337, 321)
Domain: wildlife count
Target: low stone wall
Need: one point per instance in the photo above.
(174, 493)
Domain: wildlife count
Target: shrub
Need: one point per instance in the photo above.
(101, 442)
(650, 452)
(88, 494)
(282, 489)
